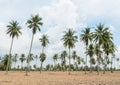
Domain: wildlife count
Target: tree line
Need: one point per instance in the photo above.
(100, 48)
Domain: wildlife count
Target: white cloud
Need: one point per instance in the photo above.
(98, 8)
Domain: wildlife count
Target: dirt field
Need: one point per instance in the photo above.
(59, 78)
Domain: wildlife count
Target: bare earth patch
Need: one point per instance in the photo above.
(59, 78)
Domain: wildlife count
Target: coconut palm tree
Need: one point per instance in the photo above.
(78, 61)
(100, 37)
(22, 59)
(113, 49)
(42, 59)
(33, 23)
(98, 53)
(44, 41)
(13, 31)
(117, 59)
(31, 58)
(55, 58)
(69, 39)
(90, 52)
(63, 59)
(74, 56)
(15, 59)
(86, 36)
(4, 62)
(36, 58)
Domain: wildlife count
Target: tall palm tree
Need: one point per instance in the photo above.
(15, 59)
(86, 36)
(22, 59)
(74, 56)
(33, 23)
(69, 39)
(42, 59)
(55, 58)
(100, 37)
(44, 41)
(90, 52)
(13, 31)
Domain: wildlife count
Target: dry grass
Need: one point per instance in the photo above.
(59, 78)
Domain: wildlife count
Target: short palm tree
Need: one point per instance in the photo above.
(4, 62)
(31, 58)
(86, 36)
(63, 59)
(78, 61)
(13, 31)
(69, 39)
(15, 59)
(42, 59)
(33, 23)
(22, 59)
(74, 56)
(90, 52)
(55, 58)
(36, 58)
(98, 53)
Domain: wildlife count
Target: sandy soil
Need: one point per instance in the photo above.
(59, 78)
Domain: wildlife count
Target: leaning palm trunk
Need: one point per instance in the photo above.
(8, 63)
(29, 55)
(69, 63)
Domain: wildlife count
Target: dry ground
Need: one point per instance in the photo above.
(59, 78)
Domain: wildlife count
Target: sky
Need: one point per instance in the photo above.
(58, 16)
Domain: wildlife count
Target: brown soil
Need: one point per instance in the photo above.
(59, 78)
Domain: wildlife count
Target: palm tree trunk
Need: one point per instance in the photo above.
(43, 49)
(8, 63)
(69, 63)
(111, 65)
(86, 61)
(90, 65)
(41, 67)
(22, 66)
(29, 55)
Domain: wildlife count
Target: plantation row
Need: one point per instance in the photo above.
(99, 45)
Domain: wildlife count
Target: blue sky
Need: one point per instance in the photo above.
(58, 15)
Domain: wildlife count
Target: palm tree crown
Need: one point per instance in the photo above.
(14, 29)
(34, 23)
(69, 38)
